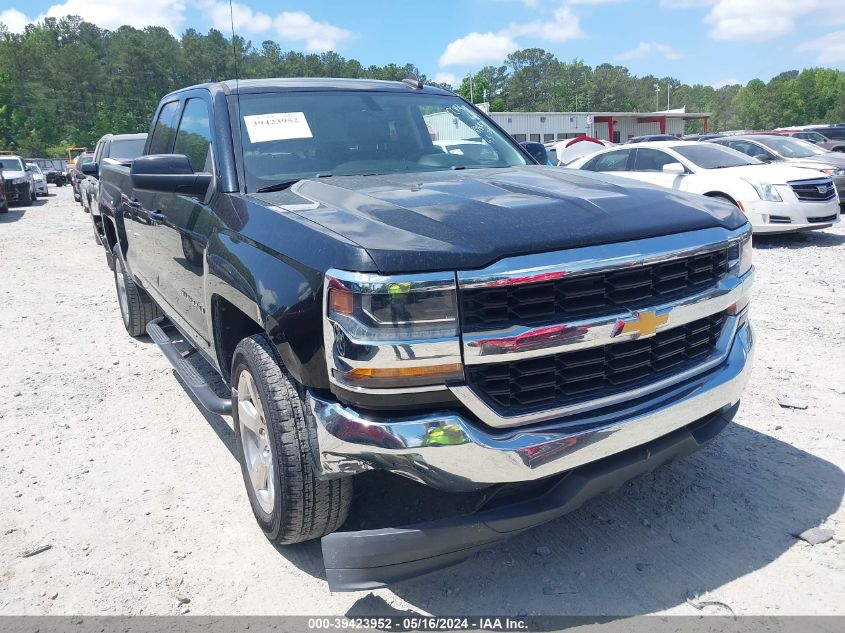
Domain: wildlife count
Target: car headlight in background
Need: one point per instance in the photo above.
(392, 331)
(765, 190)
(833, 171)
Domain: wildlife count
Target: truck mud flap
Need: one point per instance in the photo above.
(369, 559)
(199, 386)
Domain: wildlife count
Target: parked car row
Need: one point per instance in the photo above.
(778, 197)
(118, 149)
(22, 182)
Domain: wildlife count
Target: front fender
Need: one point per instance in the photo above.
(282, 296)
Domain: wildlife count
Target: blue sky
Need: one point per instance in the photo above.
(698, 41)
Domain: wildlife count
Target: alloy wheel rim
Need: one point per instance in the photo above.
(255, 442)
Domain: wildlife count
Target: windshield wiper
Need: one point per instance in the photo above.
(285, 184)
(279, 186)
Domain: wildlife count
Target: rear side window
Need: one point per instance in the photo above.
(194, 136)
(612, 161)
(162, 139)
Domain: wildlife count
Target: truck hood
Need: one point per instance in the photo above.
(460, 220)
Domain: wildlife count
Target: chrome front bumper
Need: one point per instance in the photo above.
(452, 452)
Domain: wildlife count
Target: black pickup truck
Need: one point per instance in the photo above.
(385, 281)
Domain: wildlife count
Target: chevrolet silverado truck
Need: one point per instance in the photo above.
(512, 337)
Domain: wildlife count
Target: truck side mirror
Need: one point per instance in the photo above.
(537, 151)
(90, 169)
(169, 173)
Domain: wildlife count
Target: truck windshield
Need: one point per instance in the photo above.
(11, 164)
(126, 149)
(289, 136)
(710, 156)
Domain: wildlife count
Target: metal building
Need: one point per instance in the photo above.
(617, 127)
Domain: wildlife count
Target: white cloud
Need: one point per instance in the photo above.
(725, 82)
(241, 16)
(318, 36)
(447, 78)
(109, 14)
(596, 1)
(829, 49)
(751, 20)
(647, 49)
(296, 26)
(14, 20)
(686, 4)
(563, 28)
(477, 48)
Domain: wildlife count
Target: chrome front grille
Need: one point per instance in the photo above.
(816, 190)
(563, 379)
(590, 295)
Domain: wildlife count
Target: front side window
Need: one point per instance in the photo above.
(194, 136)
(652, 160)
(162, 139)
(611, 161)
(293, 135)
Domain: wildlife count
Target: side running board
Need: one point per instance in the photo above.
(198, 385)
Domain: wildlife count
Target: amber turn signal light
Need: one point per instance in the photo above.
(365, 373)
(341, 301)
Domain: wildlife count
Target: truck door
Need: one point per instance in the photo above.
(186, 223)
(140, 207)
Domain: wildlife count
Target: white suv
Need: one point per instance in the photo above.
(776, 198)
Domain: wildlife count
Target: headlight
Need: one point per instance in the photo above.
(833, 171)
(739, 255)
(765, 190)
(392, 332)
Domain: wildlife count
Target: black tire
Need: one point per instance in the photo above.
(138, 309)
(303, 506)
(28, 197)
(4, 208)
(96, 232)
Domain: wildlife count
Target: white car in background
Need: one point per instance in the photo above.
(776, 198)
(38, 179)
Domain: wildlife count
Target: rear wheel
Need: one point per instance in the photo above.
(289, 501)
(136, 307)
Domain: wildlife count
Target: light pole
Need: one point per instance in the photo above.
(657, 97)
(471, 91)
(668, 91)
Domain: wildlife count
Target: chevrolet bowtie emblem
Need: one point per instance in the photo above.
(643, 324)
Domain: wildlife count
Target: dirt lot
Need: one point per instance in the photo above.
(105, 459)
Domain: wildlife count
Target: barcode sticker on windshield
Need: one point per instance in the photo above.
(277, 126)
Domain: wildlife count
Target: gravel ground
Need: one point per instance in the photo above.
(106, 460)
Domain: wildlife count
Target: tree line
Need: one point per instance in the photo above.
(66, 82)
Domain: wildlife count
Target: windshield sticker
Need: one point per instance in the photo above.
(277, 126)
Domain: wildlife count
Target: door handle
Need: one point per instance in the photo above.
(158, 216)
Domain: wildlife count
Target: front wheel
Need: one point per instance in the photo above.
(289, 501)
(136, 306)
(28, 197)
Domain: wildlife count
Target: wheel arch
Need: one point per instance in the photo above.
(723, 195)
